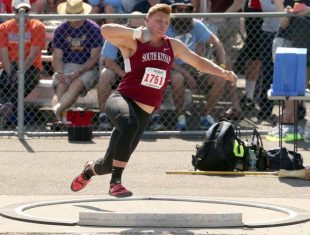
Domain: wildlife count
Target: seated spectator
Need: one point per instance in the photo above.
(107, 7)
(270, 27)
(51, 6)
(256, 57)
(34, 42)
(97, 6)
(2, 10)
(111, 73)
(36, 5)
(113, 6)
(195, 35)
(296, 30)
(76, 51)
(129, 4)
(227, 30)
(144, 5)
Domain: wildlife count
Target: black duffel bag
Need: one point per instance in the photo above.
(284, 159)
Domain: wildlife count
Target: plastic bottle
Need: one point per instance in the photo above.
(252, 160)
(188, 100)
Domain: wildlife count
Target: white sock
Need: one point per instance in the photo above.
(102, 114)
(56, 108)
(250, 88)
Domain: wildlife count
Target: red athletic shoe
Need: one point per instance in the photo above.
(118, 190)
(79, 182)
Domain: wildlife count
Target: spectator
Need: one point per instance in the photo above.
(2, 10)
(97, 6)
(195, 35)
(226, 29)
(76, 51)
(144, 5)
(51, 6)
(269, 28)
(249, 58)
(250, 53)
(35, 6)
(111, 73)
(129, 4)
(34, 42)
(196, 4)
(2, 7)
(107, 7)
(113, 6)
(295, 32)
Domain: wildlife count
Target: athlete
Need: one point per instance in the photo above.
(148, 57)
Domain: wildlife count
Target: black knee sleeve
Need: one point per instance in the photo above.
(128, 128)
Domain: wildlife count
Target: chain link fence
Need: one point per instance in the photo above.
(191, 93)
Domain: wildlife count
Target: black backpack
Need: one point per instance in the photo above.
(221, 150)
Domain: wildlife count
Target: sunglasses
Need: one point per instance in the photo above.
(186, 9)
(25, 8)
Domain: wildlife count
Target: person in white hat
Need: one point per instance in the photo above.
(76, 49)
(17, 4)
(36, 5)
(34, 43)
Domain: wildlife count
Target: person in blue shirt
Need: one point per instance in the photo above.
(195, 35)
(145, 5)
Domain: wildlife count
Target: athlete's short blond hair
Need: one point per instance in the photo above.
(159, 8)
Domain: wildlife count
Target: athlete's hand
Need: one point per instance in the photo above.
(146, 35)
(230, 76)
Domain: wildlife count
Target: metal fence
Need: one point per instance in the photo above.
(248, 52)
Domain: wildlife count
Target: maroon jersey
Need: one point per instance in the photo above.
(147, 73)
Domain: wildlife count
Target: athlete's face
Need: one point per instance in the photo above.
(158, 23)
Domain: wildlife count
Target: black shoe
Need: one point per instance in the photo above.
(247, 104)
(272, 119)
(301, 112)
(56, 126)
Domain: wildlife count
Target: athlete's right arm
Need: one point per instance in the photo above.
(117, 35)
(122, 36)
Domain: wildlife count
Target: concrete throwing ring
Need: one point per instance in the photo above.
(175, 212)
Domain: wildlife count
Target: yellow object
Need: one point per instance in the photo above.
(285, 138)
(257, 173)
(223, 66)
(238, 149)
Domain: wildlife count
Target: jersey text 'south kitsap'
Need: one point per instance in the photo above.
(148, 73)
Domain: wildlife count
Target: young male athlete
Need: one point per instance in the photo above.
(148, 56)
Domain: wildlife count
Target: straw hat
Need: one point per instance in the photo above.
(74, 7)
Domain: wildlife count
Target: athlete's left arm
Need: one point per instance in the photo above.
(181, 51)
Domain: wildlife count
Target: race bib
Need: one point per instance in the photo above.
(154, 77)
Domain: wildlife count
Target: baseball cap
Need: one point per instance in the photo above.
(17, 4)
(186, 3)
